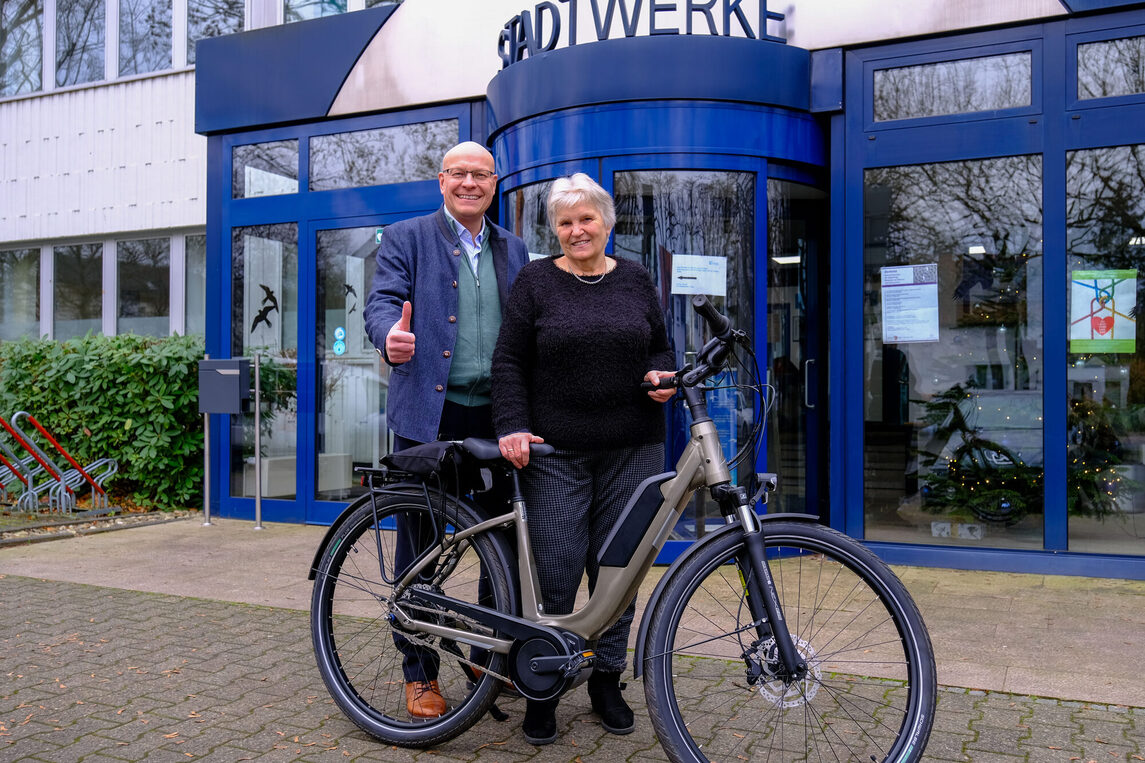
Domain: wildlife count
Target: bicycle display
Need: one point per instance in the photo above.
(770, 638)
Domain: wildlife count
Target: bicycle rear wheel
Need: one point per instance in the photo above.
(869, 694)
(360, 648)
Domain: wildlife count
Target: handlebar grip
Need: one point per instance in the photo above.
(719, 324)
(665, 383)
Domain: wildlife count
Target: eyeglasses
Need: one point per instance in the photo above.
(479, 176)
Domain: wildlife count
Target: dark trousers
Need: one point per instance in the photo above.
(414, 536)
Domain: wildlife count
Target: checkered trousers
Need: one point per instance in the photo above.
(574, 498)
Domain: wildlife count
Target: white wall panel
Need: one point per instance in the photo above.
(104, 159)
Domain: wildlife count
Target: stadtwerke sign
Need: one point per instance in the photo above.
(553, 22)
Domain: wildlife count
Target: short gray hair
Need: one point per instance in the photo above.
(576, 189)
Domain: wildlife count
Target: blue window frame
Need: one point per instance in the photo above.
(307, 213)
(1055, 123)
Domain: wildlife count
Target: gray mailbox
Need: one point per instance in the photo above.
(224, 385)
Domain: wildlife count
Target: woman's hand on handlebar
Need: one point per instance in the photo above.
(515, 447)
(660, 395)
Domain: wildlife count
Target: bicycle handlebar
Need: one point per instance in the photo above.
(713, 354)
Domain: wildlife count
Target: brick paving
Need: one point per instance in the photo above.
(103, 674)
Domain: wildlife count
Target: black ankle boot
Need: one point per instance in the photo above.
(608, 703)
(540, 724)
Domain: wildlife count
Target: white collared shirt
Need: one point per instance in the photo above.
(470, 243)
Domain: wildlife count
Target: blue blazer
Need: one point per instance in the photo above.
(419, 260)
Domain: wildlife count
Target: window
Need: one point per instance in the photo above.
(953, 353)
(953, 87)
(264, 169)
(1105, 372)
(144, 275)
(19, 293)
(79, 41)
(78, 291)
(144, 36)
(301, 10)
(1111, 67)
(529, 219)
(195, 295)
(379, 157)
(211, 18)
(21, 41)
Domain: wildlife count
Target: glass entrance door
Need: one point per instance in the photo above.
(698, 231)
(264, 320)
(350, 379)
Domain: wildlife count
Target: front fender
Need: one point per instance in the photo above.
(695, 548)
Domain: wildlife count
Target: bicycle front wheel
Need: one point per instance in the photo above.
(363, 654)
(713, 680)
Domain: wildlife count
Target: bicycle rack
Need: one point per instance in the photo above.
(62, 494)
(45, 476)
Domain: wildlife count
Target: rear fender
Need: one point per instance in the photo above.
(695, 548)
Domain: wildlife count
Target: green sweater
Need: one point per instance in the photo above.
(478, 322)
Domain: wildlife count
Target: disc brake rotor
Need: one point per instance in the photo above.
(783, 693)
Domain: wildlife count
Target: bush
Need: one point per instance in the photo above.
(130, 398)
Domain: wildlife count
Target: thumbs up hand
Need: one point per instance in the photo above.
(400, 341)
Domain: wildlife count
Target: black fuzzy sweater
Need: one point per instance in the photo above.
(571, 356)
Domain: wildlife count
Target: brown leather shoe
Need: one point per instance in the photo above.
(424, 700)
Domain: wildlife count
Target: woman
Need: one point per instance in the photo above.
(578, 335)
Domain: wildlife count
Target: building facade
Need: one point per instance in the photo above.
(928, 216)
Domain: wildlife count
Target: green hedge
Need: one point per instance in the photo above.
(131, 398)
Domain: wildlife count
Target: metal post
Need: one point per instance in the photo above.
(257, 444)
(206, 465)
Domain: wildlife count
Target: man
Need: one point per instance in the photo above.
(433, 314)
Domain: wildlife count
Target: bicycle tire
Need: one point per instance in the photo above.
(353, 633)
(870, 693)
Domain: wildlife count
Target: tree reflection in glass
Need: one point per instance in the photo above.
(1105, 209)
(79, 41)
(144, 36)
(400, 154)
(953, 428)
(21, 39)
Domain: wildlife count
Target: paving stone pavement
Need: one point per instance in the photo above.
(103, 674)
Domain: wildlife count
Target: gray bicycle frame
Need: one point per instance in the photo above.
(702, 463)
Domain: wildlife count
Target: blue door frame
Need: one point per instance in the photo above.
(1054, 123)
(309, 211)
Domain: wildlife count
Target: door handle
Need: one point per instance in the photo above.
(807, 384)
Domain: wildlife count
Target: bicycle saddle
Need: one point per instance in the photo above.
(486, 450)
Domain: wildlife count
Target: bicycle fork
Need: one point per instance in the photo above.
(759, 584)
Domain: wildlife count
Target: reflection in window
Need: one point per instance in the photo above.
(1111, 67)
(953, 87)
(1105, 374)
(301, 10)
(79, 41)
(211, 18)
(529, 219)
(19, 293)
(663, 214)
(353, 384)
(953, 353)
(195, 295)
(21, 40)
(144, 36)
(144, 275)
(264, 169)
(264, 319)
(399, 154)
(78, 290)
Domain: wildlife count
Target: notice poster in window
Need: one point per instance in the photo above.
(699, 274)
(910, 303)
(1103, 306)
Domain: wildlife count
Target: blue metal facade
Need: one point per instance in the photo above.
(643, 103)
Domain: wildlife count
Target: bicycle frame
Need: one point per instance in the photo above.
(701, 463)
